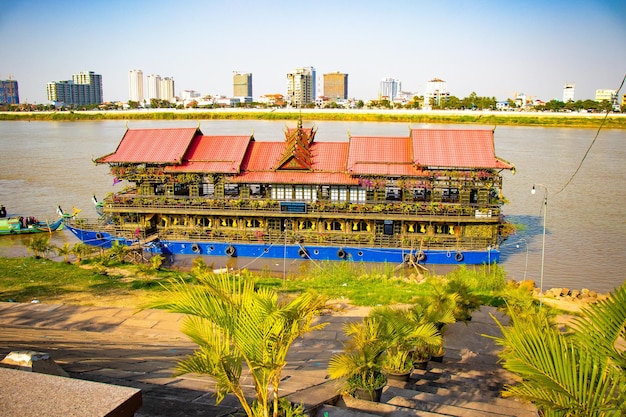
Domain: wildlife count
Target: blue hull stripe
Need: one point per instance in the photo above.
(294, 251)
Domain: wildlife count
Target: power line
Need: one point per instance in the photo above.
(592, 142)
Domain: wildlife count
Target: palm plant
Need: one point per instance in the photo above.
(233, 323)
(118, 251)
(65, 252)
(39, 246)
(403, 336)
(360, 365)
(580, 373)
(440, 305)
(79, 250)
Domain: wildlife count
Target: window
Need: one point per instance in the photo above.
(231, 190)
(256, 190)
(393, 193)
(339, 193)
(208, 189)
(299, 192)
(278, 192)
(358, 195)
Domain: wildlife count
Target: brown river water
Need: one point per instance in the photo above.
(45, 164)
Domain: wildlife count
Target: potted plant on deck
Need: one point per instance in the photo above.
(402, 337)
(359, 368)
(440, 306)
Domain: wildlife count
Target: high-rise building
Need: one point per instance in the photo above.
(336, 85)
(154, 86)
(166, 89)
(389, 88)
(568, 92)
(301, 86)
(242, 85)
(135, 85)
(8, 92)
(85, 88)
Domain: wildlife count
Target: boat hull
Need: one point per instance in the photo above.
(294, 251)
(38, 227)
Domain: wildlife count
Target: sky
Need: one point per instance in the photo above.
(493, 48)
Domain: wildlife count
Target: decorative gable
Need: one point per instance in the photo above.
(297, 154)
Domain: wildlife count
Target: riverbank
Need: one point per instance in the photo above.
(488, 118)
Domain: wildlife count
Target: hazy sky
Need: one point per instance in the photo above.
(492, 47)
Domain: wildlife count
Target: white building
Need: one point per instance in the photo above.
(436, 90)
(135, 85)
(166, 89)
(568, 92)
(154, 86)
(389, 88)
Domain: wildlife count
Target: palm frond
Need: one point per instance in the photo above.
(602, 327)
(559, 373)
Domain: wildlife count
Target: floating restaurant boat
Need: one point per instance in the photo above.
(431, 197)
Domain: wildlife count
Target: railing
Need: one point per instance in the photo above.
(207, 206)
(276, 237)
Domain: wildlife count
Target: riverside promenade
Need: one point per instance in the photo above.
(140, 349)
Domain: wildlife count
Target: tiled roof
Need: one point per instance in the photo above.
(468, 148)
(158, 146)
(371, 155)
(214, 154)
(187, 150)
(262, 156)
(328, 165)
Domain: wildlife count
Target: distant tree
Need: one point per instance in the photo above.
(452, 103)
(554, 105)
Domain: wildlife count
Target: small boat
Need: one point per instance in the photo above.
(16, 225)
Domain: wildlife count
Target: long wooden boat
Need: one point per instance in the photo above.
(16, 225)
(433, 196)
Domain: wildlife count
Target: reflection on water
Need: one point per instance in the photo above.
(45, 164)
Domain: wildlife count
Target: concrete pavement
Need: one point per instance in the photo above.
(140, 349)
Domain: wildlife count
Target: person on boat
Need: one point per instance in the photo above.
(3, 211)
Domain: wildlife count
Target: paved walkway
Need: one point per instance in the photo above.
(140, 349)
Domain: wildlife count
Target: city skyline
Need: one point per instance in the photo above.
(492, 48)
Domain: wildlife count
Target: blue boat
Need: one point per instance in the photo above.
(431, 197)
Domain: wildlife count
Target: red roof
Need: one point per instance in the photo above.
(371, 155)
(469, 148)
(158, 146)
(187, 150)
(328, 167)
(214, 154)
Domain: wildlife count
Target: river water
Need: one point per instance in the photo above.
(45, 164)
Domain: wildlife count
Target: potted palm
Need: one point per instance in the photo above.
(359, 368)
(402, 337)
(426, 315)
(441, 304)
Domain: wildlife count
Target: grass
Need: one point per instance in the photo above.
(489, 119)
(27, 279)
